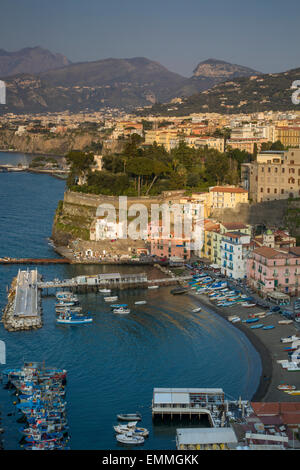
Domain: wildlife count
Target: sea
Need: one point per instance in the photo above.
(114, 363)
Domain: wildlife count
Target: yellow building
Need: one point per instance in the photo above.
(222, 197)
(288, 136)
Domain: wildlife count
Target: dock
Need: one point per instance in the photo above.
(23, 310)
(34, 261)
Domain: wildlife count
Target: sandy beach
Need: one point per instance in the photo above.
(268, 345)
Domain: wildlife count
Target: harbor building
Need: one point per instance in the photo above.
(206, 439)
(188, 402)
(274, 175)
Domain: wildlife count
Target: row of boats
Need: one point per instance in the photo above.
(130, 433)
(121, 309)
(68, 310)
(292, 364)
(41, 400)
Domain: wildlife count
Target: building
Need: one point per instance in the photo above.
(275, 239)
(289, 136)
(274, 175)
(223, 197)
(235, 248)
(270, 269)
(205, 439)
(247, 144)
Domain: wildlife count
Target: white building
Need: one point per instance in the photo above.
(234, 253)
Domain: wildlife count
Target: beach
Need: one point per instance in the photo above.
(268, 345)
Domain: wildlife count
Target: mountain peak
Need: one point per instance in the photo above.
(215, 68)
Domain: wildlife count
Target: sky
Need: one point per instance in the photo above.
(263, 35)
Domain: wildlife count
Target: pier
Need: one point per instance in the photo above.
(23, 310)
(188, 402)
(34, 261)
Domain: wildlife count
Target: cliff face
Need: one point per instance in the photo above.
(44, 144)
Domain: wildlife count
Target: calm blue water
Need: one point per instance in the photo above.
(114, 363)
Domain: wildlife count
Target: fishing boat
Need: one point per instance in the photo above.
(130, 438)
(68, 309)
(294, 367)
(153, 287)
(254, 327)
(293, 392)
(195, 310)
(66, 304)
(105, 291)
(119, 306)
(111, 299)
(129, 416)
(285, 322)
(269, 327)
(290, 339)
(251, 320)
(140, 302)
(247, 304)
(73, 319)
(121, 310)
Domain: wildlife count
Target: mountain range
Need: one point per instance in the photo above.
(39, 81)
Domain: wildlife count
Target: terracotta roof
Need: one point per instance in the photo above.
(226, 189)
(269, 253)
(234, 226)
(265, 409)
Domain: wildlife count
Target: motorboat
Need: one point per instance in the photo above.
(71, 319)
(129, 416)
(121, 310)
(119, 306)
(140, 302)
(131, 427)
(130, 438)
(105, 291)
(195, 310)
(153, 287)
(111, 299)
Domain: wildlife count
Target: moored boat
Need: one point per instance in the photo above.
(130, 438)
(129, 416)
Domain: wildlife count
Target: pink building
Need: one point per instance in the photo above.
(171, 248)
(270, 269)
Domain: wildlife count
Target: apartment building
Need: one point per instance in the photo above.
(222, 197)
(289, 136)
(274, 175)
(235, 248)
(269, 270)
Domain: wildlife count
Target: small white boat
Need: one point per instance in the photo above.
(121, 310)
(247, 304)
(285, 322)
(131, 427)
(111, 299)
(235, 320)
(140, 302)
(195, 310)
(129, 416)
(286, 387)
(130, 438)
(153, 287)
(289, 339)
(105, 291)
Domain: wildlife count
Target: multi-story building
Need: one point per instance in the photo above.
(289, 136)
(274, 175)
(235, 247)
(271, 270)
(247, 144)
(222, 197)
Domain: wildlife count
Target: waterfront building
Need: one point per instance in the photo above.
(270, 269)
(206, 439)
(274, 175)
(234, 253)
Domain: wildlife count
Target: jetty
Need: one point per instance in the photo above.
(34, 261)
(23, 310)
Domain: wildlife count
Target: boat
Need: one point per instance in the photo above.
(129, 416)
(68, 309)
(153, 287)
(293, 392)
(111, 299)
(246, 304)
(105, 291)
(73, 319)
(131, 427)
(269, 327)
(195, 310)
(286, 387)
(285, 322)
(121, 310)
(293, 367)
(179, 290)
(251, 320)
(130, 438)
(119, 306)
(140, 302)
(260, 325)
(290, 339)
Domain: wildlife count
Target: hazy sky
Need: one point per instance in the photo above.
(262, 34)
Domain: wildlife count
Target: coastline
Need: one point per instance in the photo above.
(272, 373)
